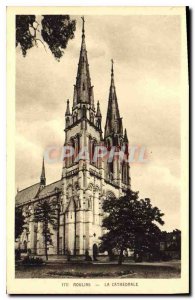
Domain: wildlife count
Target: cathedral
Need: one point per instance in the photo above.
(85, 183)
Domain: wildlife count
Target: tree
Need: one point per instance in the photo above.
(129, 223)
(147, 241)
(19, 222)
(56, 31)
(46, 214)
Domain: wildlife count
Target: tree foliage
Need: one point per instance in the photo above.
(45, 212)
(19, 221)
(56, 31)
(130, 223)
(24, 37)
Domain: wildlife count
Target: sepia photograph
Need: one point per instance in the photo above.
(100, 134)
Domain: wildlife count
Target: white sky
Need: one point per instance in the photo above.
(146, 51)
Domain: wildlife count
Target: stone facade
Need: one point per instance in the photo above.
(85, 184)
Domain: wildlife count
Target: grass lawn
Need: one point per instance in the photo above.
(81, 270)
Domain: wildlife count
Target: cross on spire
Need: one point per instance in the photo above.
(112, 67)
(83, 26)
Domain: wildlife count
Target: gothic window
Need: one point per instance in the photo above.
(78, 143)
(73, 145)
(25, 246)
(84, 111)
(123, 166)
(116, 141)
(110, 195)
(89, 203)
(108, 144)
(75, 117)
(110, 168)
(83, 86)
(92, 145)
(95, 206)
(67, 121)
(124, 172)
(93, 149)
(92, 118)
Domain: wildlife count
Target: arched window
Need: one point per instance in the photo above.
(73, 145)
(110, 169)
(84, 111)
(92, 145)
(78, 143)
(93, 149)
(108, 144)
(67, 121)
(91, 117)
(75, 116)
(127, 151)
(123, 171)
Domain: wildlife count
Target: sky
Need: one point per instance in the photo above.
(146, 52)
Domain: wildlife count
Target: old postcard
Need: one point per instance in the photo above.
(98, 139)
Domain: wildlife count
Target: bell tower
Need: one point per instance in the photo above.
(115, 140)
(83, 132)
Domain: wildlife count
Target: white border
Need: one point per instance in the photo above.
(3, 5)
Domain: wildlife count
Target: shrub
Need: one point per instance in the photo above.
(32, 261)
(166, 257)
(87, 256)
(17, 254)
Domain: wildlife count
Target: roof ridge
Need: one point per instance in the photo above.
(52, 183)
(27, 187)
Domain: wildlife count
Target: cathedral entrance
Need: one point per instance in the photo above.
(95, 251)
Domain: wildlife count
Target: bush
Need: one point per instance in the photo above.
(17, 254)
(138, 259)
(32, 261)
(87, 256)
(166, 257)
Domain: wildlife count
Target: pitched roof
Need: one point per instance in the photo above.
(33, 191)
(27, 194)
(50, 188)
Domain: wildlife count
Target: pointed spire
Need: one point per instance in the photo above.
(68, 109)
(112, 74)
(98, 113)
(125, 136)
(43, 178)
(83, 91)
(113, 120)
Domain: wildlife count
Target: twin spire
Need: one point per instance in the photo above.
(83, 94)
(113, 119)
